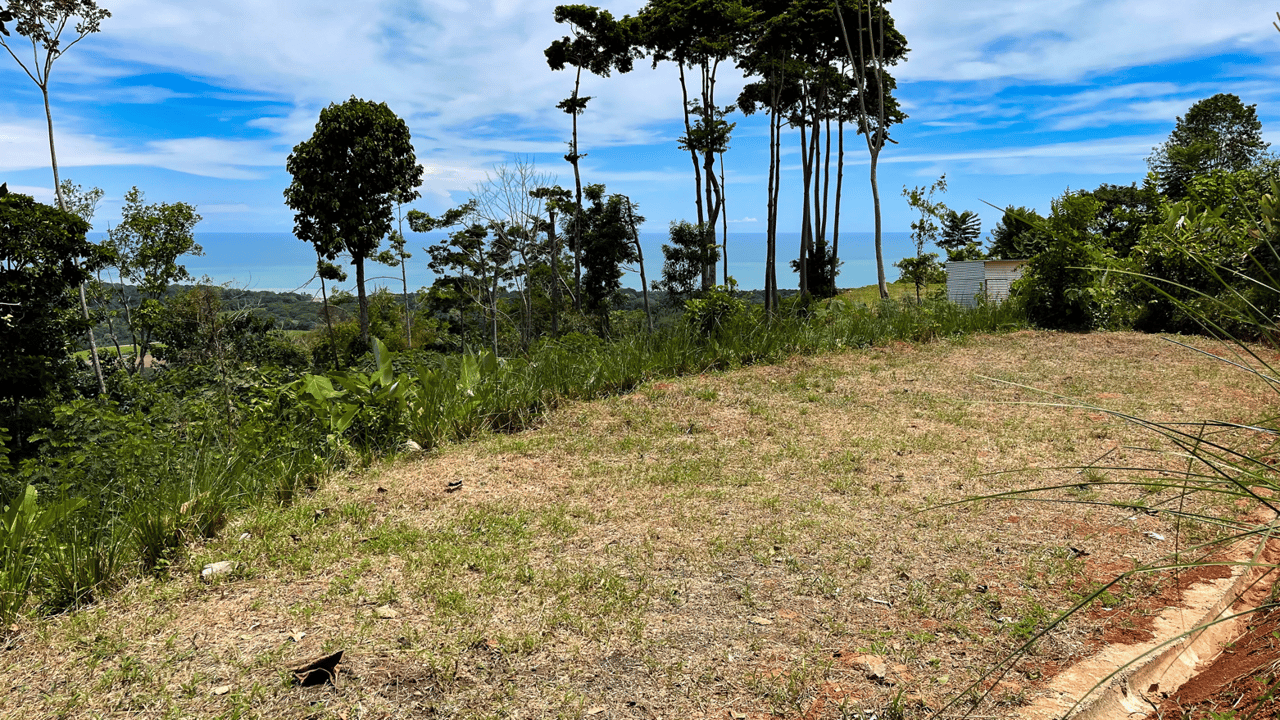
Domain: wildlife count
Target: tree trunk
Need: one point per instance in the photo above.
(62, 205)
(493, 301)
(328, 319)
(644, 283)
(806, 218)
(875, 201)
(826, 187)
(693, 155)
(771, 222)
(724, 214)
(835, 228)
(713, 190)
(577, 217)
(556, 295)
(364, 300)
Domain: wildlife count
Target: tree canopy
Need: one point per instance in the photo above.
(1217, 133)
(346, 180)
(39, 248)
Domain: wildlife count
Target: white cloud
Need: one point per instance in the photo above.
(745, 220)
(1067, 40)
(1112, 155)
(25, 146)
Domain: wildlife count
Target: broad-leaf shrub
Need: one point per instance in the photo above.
(715, 309)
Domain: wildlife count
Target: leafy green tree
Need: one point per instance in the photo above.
(926, 229)
(599, 44)
(556, 200)
(922, 271)
(1123, 210)
(607, 245)
(346, 178)
(38, 309)
(1217, 133)
(959, 235)
(683, 260)
(146, 245)
(1196, 263)
(1018, 235)
(1061, 286)
(471, 265)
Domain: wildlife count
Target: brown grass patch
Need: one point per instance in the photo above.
(713, 546)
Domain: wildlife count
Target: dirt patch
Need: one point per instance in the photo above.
(1242, 680)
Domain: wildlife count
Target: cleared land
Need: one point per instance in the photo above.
(745, 544)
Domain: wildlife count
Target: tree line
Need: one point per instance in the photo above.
(1192, 243)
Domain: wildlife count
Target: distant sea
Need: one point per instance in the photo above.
(278, 261)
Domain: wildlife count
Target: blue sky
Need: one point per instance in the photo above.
(1015, 100)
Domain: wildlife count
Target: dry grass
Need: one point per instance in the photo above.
(716, 546)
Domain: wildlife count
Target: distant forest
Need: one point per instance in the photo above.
(298, 311)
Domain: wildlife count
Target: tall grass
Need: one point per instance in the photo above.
(127, 490)
(1227, 473)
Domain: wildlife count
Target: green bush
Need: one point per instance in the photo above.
(715, 309)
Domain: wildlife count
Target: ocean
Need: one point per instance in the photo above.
(278, 261)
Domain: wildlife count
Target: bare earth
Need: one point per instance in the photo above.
(741, 545)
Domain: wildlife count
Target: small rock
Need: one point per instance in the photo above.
(757, 620)
(213, 570)
(411, 446)
(222, 690)
(874, 666)
(385, 612)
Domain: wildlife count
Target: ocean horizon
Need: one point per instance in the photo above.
(280, 262)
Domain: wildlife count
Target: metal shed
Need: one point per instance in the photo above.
(968, 280)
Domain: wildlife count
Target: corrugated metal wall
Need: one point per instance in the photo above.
(964, 281)
(1000, 275)
(968, 279)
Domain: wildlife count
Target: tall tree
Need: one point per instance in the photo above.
(699, 35)
(878, 45)
(357, 165)
(599, 44)
(419, 222)
(1217, 133)
(43, 22)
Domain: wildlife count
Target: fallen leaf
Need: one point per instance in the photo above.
(385, 612)
(757, 620)
(297, 635)
(595, 710)
(319, 671)
(222, 690)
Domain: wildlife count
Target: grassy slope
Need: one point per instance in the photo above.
(706, 545)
